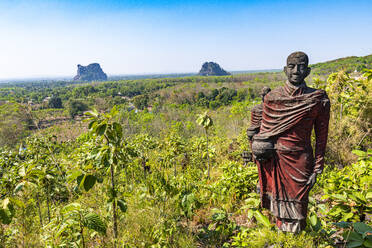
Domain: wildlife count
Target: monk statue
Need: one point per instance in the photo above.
(282, 149)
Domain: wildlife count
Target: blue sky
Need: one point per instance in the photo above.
(49, 38)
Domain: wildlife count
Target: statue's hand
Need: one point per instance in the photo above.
(312, 180)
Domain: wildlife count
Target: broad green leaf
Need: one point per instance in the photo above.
(118, 129)
(16, 201)
(61, 229)
(343, 224)
(94, 222)
(347, 216)
(71, 207)
(122, 205)
(262, 218)
(340, 197)
(72, 175)
(335, 211)
(5, 216)
(361, 227)
(315, 222)
(101, 129)
(352, 236)
(322, 207)
(369, 195)
(35, 173)
(114, 111)
(359, 153)
(89, 182)
(19, 187)
(250, 214)
(92, 125)
(92, 113)
(353, 244)
(80, 180)
(367, 243)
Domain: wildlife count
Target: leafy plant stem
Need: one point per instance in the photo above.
(115, 228)
(39, 209)
(209, 166)
(47, 198)
(82, 235)
(114, 217)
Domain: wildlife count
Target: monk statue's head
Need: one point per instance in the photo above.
(264, 91)
(297, 68)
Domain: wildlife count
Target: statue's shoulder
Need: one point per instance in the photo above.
(257, 108)
(321, 96)
(275, 93)
(319, 92)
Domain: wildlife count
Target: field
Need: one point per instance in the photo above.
(127, 164)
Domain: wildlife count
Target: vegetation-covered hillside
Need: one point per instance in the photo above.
(348, 64)
(158, 163)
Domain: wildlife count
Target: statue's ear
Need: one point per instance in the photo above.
(285, 69)
(308, 71)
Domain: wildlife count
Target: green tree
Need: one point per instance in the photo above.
(76, 107)
(206, 122)
(113, 152)
(141, 101)
(55, 102)
(71, 223)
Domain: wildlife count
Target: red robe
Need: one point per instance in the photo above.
(289, 115)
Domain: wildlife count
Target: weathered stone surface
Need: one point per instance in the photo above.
(92, 72)
(287, 165)
(212, 69)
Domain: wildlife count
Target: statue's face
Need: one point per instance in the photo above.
(297, 69)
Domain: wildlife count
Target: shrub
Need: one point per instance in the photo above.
(76, 107)
(55, 102)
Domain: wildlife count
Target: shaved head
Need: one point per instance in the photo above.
(297, 68)
(298, 56)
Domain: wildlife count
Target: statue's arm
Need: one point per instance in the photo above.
(254, 128)
(321, 134)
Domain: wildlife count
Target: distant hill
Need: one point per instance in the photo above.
(212, 69)
(348, 64)
(92, 72)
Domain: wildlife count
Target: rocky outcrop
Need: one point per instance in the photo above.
(92, 72)
(212, 69)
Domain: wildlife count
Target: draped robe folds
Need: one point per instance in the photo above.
(289, 115)
(256, 117)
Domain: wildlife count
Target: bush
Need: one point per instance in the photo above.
(141, 101)
(258, 238)
(14, 124)
(237, 182)
(76, 107)
(55, 102)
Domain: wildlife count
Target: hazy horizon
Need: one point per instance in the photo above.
(110, 77)
(49, 38)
